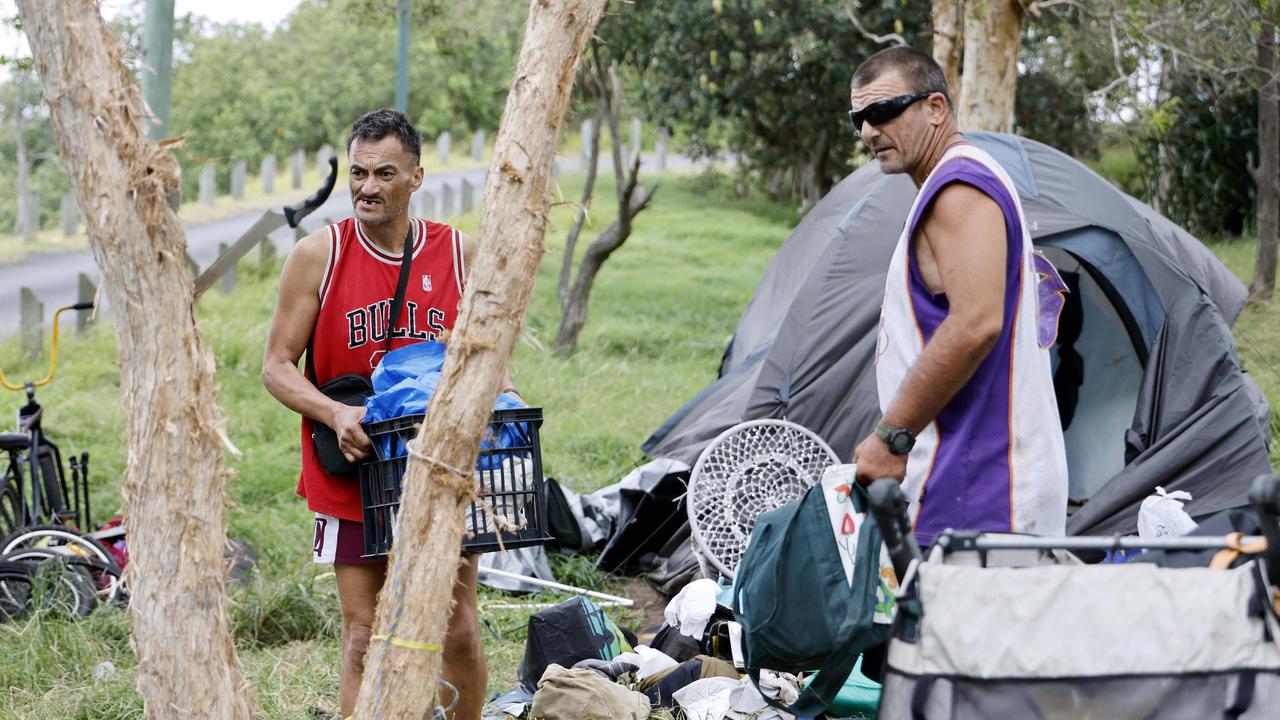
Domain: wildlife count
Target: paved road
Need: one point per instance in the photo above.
(54, 276)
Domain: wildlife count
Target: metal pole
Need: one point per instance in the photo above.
(402, 66)
(621, 601)
(157, 56)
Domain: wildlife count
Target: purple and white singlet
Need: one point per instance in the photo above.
(994, 458)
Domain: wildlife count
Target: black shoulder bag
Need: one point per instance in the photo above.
(353, 389)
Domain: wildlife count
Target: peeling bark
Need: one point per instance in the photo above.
(992, 36)
(403, 666)
(175, 480)
(948, 41)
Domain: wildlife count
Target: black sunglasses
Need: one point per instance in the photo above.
(882, 111)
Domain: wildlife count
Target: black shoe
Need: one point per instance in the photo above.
(316, 713)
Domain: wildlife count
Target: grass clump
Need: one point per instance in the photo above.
(662, 308)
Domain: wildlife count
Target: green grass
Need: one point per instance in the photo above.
(662, 308)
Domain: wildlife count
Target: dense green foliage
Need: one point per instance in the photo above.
(241, 93)
(767, 80)
(1203, 142)
(45, 177)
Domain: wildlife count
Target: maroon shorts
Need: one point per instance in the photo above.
(340, 541)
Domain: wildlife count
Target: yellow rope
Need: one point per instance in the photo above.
(410, 644)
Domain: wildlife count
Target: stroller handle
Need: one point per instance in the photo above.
(889, 507)
(1264, 495)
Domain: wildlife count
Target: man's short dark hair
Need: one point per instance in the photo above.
(922, 72)
(381, 123)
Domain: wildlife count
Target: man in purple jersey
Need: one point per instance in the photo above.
(968, 412)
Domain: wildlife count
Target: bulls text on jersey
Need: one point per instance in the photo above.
(369, 324)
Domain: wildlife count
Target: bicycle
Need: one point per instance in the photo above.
(37, 523)
(47, 501)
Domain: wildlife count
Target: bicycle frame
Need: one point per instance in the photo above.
(29, 417)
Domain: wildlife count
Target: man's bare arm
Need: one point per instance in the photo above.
(297, 307)
(965, 232)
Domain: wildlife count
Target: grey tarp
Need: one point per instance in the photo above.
(803, 348)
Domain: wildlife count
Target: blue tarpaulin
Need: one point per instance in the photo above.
(405, 380)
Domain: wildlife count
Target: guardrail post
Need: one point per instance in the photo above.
(70, 214)
(208, 184)
(477, 146)
(444, 145)
(228, 280)
(468, 197)
(267, 255)
(447, 207)
(267, 174)
(661, 148)
(298, 166)
(30, 323)
(238, 172)
(322, 160)
(86, 291)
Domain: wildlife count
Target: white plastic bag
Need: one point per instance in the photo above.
(1161, 515)
(691, 609)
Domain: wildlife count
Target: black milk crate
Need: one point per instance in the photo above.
(509, 480)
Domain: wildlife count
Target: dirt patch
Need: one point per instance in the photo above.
(644, 618)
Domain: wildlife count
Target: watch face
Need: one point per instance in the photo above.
(901, 442)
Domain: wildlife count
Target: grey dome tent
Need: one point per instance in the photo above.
(1150, 388)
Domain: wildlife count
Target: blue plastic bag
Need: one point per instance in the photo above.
(404, 382)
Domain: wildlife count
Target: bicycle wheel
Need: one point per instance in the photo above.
(67, 542)
(51, 583)
(15, 590)
(10, 504)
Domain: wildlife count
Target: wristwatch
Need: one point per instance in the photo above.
(899, 440)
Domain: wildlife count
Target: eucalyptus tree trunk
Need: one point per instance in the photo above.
(992, 36)
(948, 41)
(174, 483)
(402, 666)
(1267, 173)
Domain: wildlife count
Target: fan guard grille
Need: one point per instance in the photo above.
(750, 469)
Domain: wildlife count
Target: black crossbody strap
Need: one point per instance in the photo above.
(402, 285)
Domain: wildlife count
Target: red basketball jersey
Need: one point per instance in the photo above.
(350, 335)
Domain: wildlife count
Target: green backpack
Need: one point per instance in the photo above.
(797, 611)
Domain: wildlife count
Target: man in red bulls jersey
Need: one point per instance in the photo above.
(969, 420)
(335, 294)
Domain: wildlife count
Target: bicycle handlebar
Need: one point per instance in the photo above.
(53, 355)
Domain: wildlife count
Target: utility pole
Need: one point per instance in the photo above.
(402, 66)
(157, 56)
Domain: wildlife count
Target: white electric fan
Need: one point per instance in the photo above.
(749, 469)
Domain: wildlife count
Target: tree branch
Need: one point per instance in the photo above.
(893, 38)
